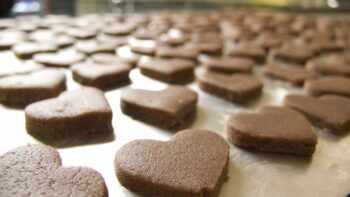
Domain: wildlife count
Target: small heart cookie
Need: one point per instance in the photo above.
(173, 71)
(23, 89)
(328, 85)
(329, 111)
(169, 108)
(192, 163)
(273, 129)
(36, 170)
(61, 59)
(70, 118)
(239, 88)
(102, 76)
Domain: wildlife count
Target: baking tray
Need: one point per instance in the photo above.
(251, 173)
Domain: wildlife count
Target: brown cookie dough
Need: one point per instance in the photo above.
(21, 90)
(21, 68)
(173, 71)
(143, 50)
(93, 47)
(273, 129)
(61, 59)
(328, 85)
(328, 111)
(227, 65)
(189, 53)
(239, 88)
(120, 29)
(294, 54)
(36, 170)
(102, 76)
(28, 49)
(328, 68)
(71, 118)
(169, 108)
(107, 58)
(192, 163)
(248, 50)
(295, 75)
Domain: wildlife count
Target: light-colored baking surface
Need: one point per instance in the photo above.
(251, 173)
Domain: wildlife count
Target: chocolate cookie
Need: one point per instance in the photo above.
(102, 76)
(328, 111)
(143, 50)
(296, 76)
(248, 50)
(21, 68)
(273, 129)
(61, 59)
(71, 118)
(239, 88)
(120, 29)
(169, 108)
(328, 68)
(189, 53)
(21, 90)
(93, 47)
(192, 163)
(294, 54)
(27, 50)
(80, 33)
(173, 71)
(226, 65)
(107, 58)
(328, 85)
(36, 170)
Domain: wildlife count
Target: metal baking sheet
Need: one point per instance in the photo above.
(251, 173)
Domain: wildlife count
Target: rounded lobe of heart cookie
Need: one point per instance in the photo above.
(172, 99)
(274, 123)
(83, 101)
(193, 162)
(44, 78)
(36, 170)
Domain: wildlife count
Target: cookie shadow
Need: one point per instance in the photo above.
(328, 136)
(79, 141)
(234, 182)
(295, 162)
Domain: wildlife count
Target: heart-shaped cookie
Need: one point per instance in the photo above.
(328, 85)
(70, 118)
(61, 59)
(173, 71)
(168, 108)
(36, 170)
(239, 88)
(328, 111)
(273, 129)
(23, 89)
(103, 76)
(192, 163)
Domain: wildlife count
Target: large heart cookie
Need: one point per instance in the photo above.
(273, 129)
(36, 170)
(169, 108)
(238, 88)
(23, 89)
(72, 116)
(328, 111)
(192, 163)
